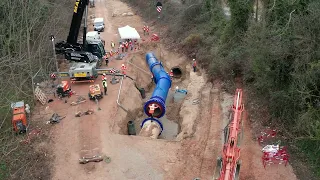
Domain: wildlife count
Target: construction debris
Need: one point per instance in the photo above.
(85, 160)
(88, 112)
(79, 101)
(55, 118)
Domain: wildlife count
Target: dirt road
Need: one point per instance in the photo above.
(139, 158)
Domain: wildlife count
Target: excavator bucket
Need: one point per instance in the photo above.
(237, 173)
(218, 169)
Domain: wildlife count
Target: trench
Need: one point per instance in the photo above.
(131, 124)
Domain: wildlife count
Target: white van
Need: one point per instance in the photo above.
(98, 24)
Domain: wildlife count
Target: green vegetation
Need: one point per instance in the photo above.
(275, 51)
(25, 48)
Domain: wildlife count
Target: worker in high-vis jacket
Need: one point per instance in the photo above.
(112, 45)
(103, 76)
(105, 85)
(194, 65)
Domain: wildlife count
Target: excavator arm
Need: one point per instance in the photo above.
(228, 166)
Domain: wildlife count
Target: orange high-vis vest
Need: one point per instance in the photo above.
(147, 28)
(171, 74)
(194, 64)
(123, 67)
(144, 28)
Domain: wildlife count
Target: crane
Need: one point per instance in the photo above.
(228, 166)
(92, 42)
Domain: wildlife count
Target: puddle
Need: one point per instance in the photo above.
(170, 129)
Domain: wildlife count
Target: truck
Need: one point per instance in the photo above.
(19, 117)
(71, 45)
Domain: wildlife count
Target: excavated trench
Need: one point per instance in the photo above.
(131, 124)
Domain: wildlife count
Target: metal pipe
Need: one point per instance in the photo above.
(119, 92)
(161, 90)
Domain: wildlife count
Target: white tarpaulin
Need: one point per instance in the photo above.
(128, 32)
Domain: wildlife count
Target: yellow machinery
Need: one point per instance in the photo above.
(95, 92)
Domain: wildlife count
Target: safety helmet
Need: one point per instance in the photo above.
(193, 59)
(122, 65)
(104, 74)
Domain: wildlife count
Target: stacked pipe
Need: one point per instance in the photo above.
(155, 107)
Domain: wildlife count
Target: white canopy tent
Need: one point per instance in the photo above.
(128, 32)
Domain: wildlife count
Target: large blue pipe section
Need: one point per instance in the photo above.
(160, 93)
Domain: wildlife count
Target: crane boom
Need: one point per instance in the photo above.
(229, 164)
(78, 11)
(92, 43)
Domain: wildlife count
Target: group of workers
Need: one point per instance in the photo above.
(124, 46)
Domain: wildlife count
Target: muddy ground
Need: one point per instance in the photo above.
(201, 118)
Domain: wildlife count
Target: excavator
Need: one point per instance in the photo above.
(92, 43)
(228, 166)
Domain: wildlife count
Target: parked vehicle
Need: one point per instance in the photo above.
(98, 24)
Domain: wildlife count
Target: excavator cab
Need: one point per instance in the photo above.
(19, 118)
(64, 89)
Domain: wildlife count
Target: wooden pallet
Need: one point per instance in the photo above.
(40, 96)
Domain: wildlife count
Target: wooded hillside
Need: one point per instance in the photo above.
(25, 49)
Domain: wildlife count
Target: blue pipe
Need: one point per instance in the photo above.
(163, 84)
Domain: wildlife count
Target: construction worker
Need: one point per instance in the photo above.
(106, 59)
(126, 46)
(105, 85)
(177, 89)
(144, 30)
(103, 76)
(147, 29)
(194, 65)
(122, 47)
(112, 45)
(131, 45)
(123, 69)
(171, 74)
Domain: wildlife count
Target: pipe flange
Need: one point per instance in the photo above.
(152, 119)
(155, 100)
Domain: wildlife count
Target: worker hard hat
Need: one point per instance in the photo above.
(122, 65)
(104, 74)
(193, 59)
